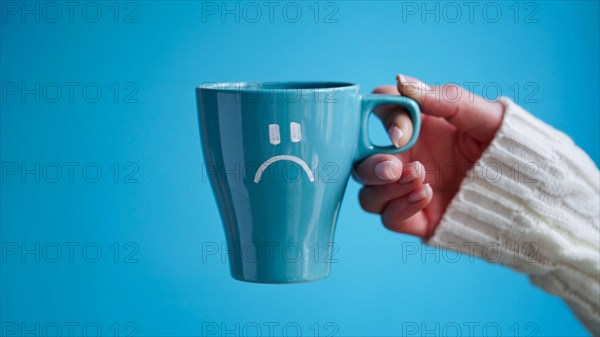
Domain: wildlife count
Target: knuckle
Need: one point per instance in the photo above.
(370, 200)
(388, 223)
(388, 217)
(356, 176)
(361, 170)
(365, 200)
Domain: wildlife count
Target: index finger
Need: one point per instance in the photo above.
(466, 111)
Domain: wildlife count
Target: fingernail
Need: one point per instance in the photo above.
(420, 168)
(395, 134)
(385, 170)
(418, 85)
(419, 195)
(401, 79)
(414, 171)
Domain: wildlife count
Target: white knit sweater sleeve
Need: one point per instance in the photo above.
(532, 203)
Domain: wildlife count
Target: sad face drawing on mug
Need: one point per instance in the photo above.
(275, 139)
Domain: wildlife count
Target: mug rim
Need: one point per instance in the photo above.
(276, 86)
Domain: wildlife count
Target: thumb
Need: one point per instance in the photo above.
(468, 112)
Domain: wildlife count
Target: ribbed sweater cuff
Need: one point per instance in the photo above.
(516, 195)
(531, 202)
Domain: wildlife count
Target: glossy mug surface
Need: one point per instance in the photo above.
(278, 157)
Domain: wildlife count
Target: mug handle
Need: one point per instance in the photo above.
(368, 103)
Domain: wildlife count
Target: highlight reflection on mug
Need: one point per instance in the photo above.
(275, 138)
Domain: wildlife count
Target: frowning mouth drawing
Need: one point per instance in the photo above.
(275, 138)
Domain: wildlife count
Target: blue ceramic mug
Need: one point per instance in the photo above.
(278, 157)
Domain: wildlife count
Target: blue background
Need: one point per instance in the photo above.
(375, 288)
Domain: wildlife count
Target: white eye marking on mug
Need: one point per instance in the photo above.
(274, 137)
(295, 132)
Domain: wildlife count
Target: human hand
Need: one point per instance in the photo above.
(457, 126)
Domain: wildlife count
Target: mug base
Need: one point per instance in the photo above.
(280, 281)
